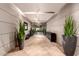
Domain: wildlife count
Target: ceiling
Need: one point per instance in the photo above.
(34, 11)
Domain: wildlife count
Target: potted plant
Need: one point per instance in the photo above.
(69, 37)
(21, 35)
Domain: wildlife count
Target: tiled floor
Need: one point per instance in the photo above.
(38, 45)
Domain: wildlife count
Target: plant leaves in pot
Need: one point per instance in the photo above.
(69, 37)
(21, 35)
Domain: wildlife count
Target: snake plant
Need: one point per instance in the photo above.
(69, 29)
(21, 32)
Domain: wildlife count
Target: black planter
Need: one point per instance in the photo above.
(69, 45)
(20, 44)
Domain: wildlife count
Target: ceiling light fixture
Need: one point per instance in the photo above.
(39, 12)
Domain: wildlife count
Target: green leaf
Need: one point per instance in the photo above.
(69, 29)
(21, 32)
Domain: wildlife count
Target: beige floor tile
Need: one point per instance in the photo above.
(38, 45)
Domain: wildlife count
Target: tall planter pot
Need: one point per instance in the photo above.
(69, 45)
(20, 44)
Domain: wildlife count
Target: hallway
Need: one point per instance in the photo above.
(39, 29)
(38, 45)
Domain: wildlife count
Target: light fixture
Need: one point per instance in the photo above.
(39, 12)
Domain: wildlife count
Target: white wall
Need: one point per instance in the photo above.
(57, 23)
(8, 25)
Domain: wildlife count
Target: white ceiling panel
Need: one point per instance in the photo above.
(28, 9)
(39, 17)
(25, 7)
